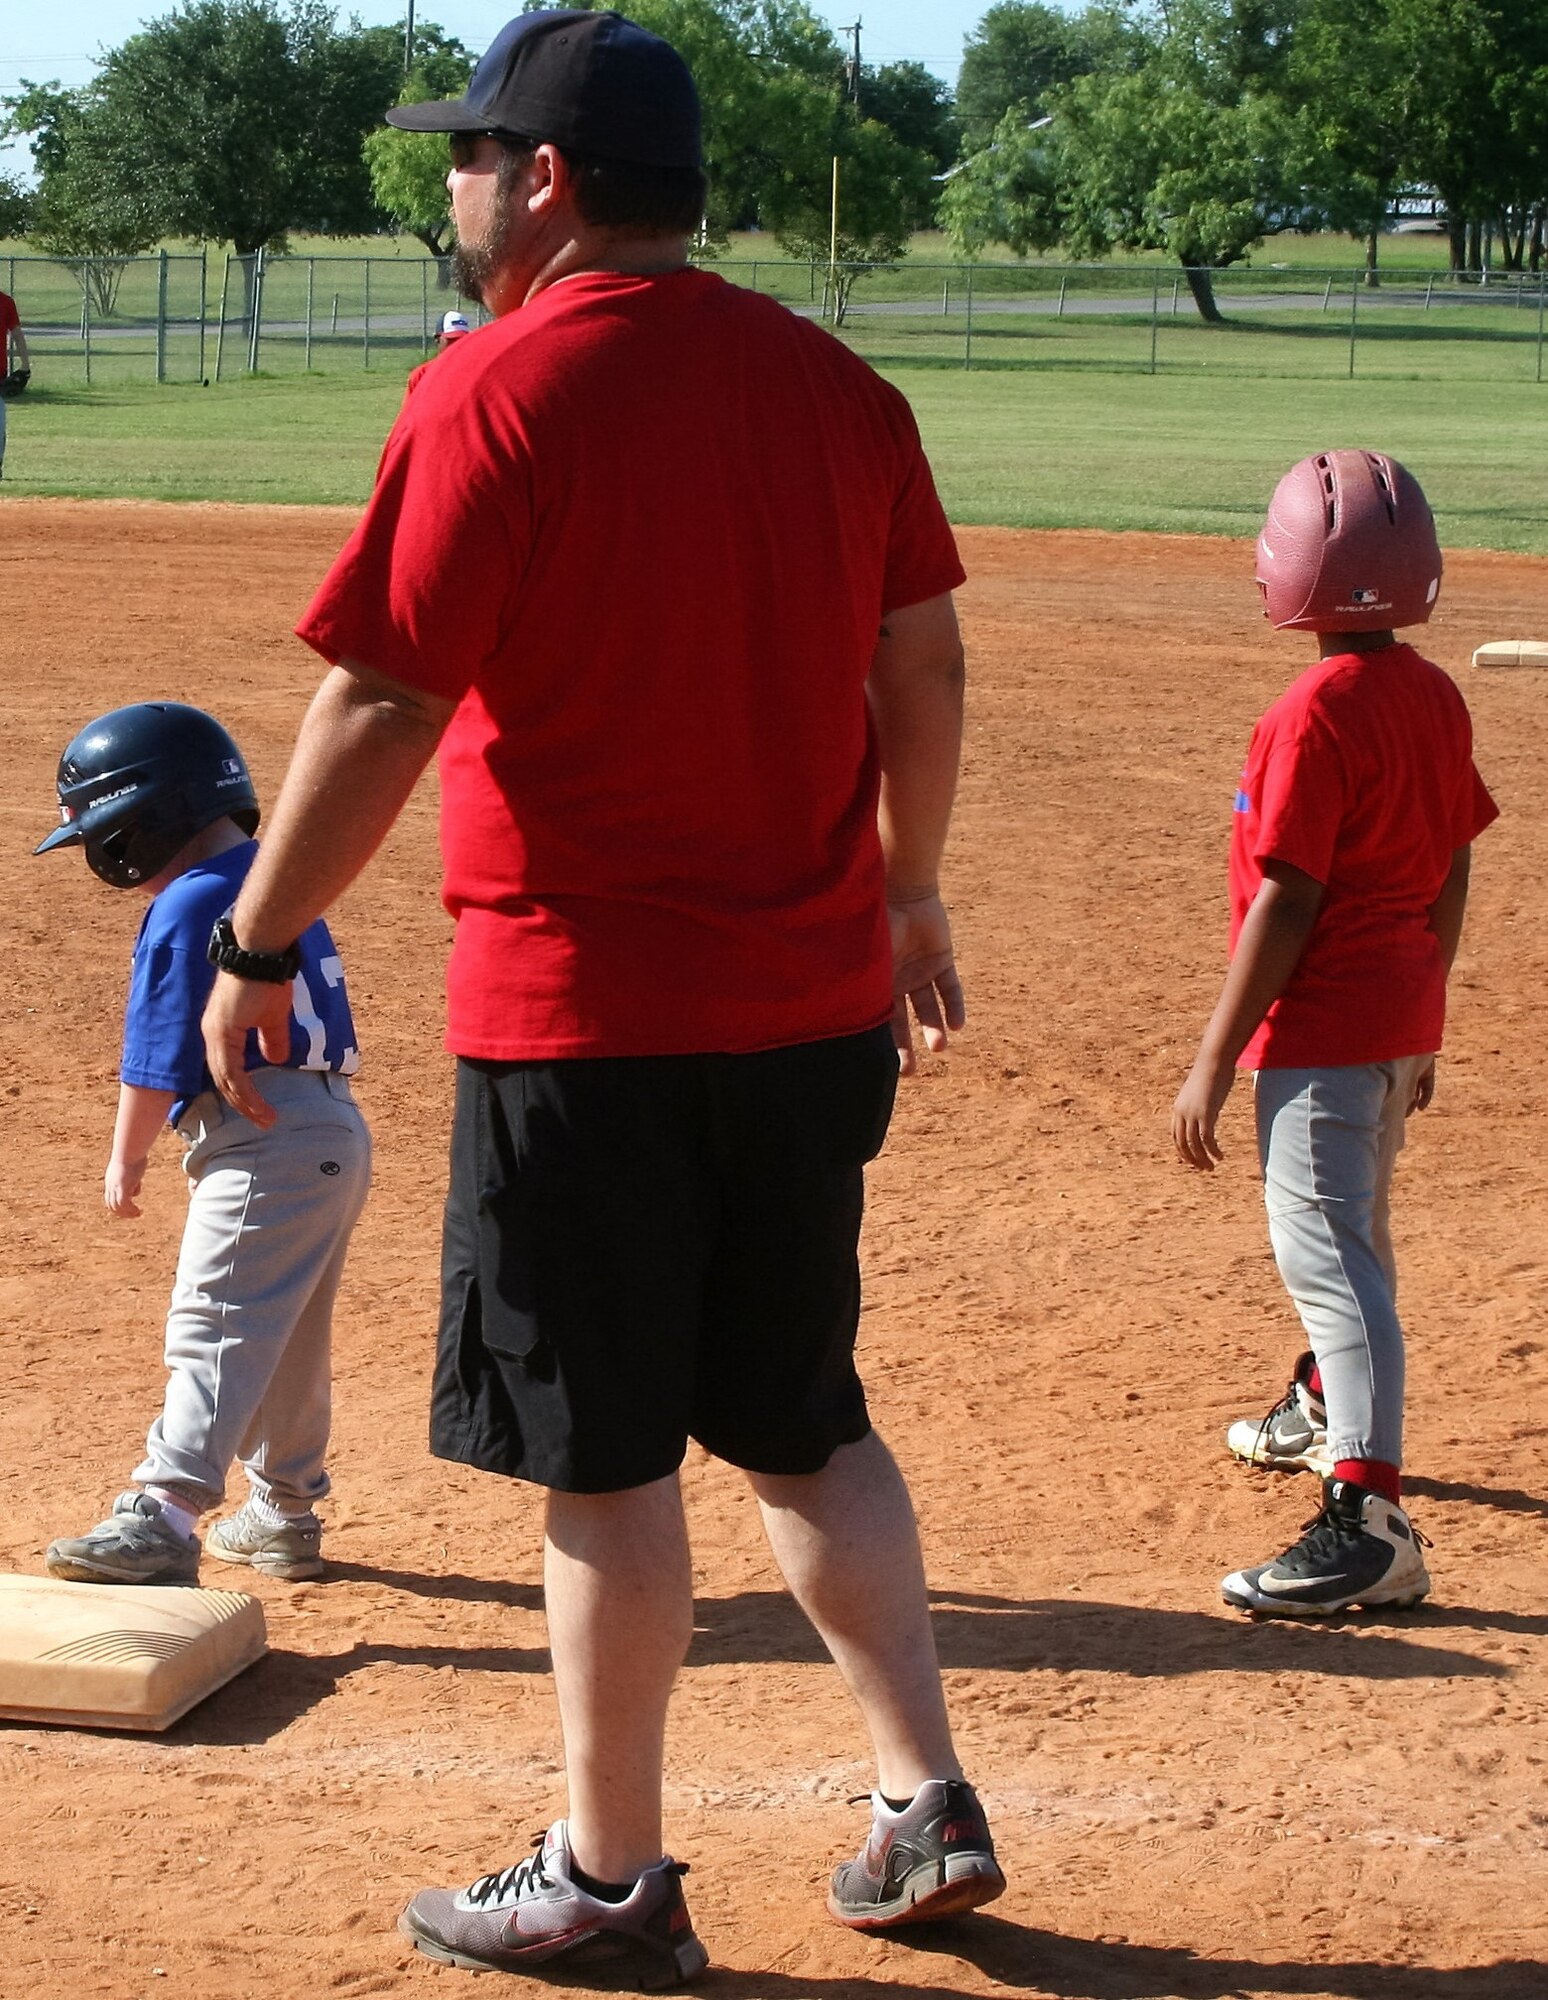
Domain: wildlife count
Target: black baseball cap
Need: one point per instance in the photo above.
(595, 83)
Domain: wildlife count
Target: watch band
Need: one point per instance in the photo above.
(270, 968)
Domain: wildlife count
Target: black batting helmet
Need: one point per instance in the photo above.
(137, 784)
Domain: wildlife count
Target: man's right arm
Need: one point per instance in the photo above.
(363, 744)
(915, 691)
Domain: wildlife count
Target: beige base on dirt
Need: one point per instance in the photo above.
(119, 1656)
(1512, 653)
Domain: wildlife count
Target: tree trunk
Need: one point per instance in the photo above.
(1536, 250)
(1475, 246)
(1372, 275)
(1456, 238)
(1201, 283)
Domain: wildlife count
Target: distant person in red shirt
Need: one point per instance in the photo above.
(661, 569)
(15, 364)
(1349, 871)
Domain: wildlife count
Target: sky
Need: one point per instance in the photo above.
(56, 42)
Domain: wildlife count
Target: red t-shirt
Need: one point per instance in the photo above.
(644, 531)
(10, 322)
(1361, 775)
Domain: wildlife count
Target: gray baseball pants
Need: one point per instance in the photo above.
(1329, 1140)
(248, 1333)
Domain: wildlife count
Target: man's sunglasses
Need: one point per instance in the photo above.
(464, 145)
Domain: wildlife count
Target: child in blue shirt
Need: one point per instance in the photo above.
(160, 798)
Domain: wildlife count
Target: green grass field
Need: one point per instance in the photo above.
(1184, 453)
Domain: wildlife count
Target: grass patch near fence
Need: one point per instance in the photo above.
(1177, 453)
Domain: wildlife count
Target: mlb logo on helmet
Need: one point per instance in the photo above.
(1365, 596)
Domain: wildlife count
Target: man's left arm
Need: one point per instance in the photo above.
(915, 692)
(363, 744)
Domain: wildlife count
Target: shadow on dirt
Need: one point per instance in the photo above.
(1069, 1635)
(1069, 1968)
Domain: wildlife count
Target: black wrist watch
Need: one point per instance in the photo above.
(273, 968)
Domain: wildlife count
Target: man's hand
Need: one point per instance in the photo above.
(235, 1005)
(121, 1186)
(924, 976)
(1196, 1112)
(1424, 1088)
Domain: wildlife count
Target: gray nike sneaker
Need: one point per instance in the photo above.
(534, 1916)
(293, 1551)
(133, 1545)
(1293, 1437)
(933, 1859)
(1361, 1549)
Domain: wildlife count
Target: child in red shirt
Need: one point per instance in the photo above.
(1349, 870)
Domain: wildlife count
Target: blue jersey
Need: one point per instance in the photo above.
(170, 981)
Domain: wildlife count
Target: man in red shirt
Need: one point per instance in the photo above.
(661, 570)
(1349, 871)
(15, 367)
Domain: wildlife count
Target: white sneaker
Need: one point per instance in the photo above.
(1361, 1549)
(1293, 1437)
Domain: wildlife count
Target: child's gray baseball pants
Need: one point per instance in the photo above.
(248, 1333)
(1329, 1140)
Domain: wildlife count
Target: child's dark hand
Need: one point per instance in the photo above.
(1196, 1111)
(1424, 1088)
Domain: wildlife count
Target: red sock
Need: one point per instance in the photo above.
(1314, 1381)
(1374, 1474)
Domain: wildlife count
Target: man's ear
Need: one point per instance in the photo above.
(550, 180)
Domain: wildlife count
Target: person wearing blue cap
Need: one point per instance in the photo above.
(660, 570)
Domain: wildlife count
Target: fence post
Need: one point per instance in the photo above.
(946, 298)
(311, 285)
(367, 322)
(1064, 280)
(755, 274)
(161, 316)
(967, 338)
(424, 307)
(1429, 292)
(1327, 292)
(1155, 316)
(1542, 279)
(86, 329)
(1354, 311)
(1176, 288)
(220, 331)
(255, 326)
(204, 300)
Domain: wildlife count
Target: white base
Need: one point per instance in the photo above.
(119, 1656)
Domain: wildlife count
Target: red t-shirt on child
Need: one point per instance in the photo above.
(644, 531)
(1362, 776)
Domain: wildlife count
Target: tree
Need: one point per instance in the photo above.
(408, 169)
(1022, 51)
(82, 213)
(916, 108)
(16, 207)
(230, 120)
(881, 184)
(1190, 152)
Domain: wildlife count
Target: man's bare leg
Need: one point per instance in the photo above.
(846, 1542)
(619, 1589)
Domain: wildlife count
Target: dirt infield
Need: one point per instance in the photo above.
(1061, 1322)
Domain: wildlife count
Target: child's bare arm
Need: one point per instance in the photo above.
(1447, 911)
(141, 1115)
(1267, 952)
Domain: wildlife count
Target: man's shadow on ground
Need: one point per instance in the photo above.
(1071, 1968)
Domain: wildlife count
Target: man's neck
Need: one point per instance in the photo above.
(610, 251)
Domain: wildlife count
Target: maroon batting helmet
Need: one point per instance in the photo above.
(1349, 546)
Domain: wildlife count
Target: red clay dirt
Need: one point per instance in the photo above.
(1061, 1323)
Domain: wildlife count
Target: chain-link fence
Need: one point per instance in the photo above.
(187, 318)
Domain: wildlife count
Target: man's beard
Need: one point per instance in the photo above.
(474, 264)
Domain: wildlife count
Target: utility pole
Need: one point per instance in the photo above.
(852, 93)
(852, 67)
(408, 40)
